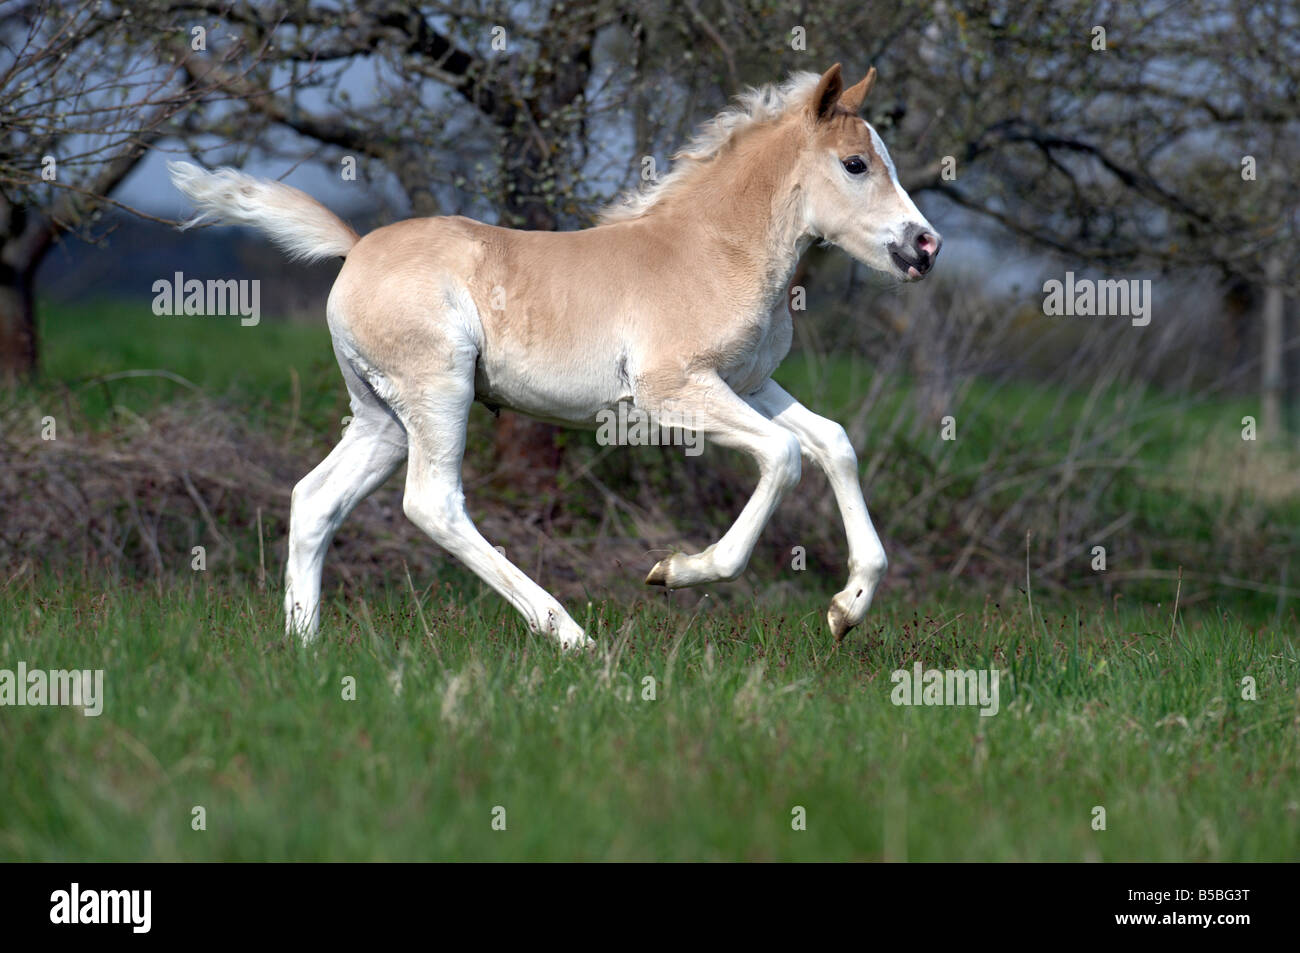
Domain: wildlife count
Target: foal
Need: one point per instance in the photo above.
(667, 306)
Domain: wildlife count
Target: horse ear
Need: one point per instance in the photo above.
(855, 95)
(828, 92)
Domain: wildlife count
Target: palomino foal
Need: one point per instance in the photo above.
(668, 306)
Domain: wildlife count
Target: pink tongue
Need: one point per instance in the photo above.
(912, 272)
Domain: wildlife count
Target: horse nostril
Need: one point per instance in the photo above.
(927, 244)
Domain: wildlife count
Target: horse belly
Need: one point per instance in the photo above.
(568, 388)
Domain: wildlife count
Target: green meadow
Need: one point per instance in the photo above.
(428, 724)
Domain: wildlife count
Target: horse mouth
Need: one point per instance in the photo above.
(912, 270)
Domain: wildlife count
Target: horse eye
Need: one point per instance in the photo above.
(854, 165)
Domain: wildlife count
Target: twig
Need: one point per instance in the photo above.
(1177, 593)
(1029, 589)
(296, 389)
(124, 375)
(419, 609)
(193, 492)
(261, 553)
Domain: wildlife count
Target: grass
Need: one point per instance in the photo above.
(457, 710)
(255, 366)
(755, 713)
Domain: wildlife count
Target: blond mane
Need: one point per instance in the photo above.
(755, 105)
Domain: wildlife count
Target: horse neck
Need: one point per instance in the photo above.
(744, 209)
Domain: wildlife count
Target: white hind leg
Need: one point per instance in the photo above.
(373, 446)
(434, 502)
(435, 420)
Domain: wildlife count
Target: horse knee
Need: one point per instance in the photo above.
(438, 513)
(310, 523)
(839, 451)
(785, 463)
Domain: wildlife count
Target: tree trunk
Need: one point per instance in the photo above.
(26, 236)
(1272, 425)
(18, 351)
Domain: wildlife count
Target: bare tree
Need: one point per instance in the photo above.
(1111, 134)
(83, 98)
(482, 109)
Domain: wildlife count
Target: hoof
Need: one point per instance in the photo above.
(658, 576)
(840, 616)
(567, 633)
(839, 622)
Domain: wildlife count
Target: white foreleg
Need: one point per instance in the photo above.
(828, 446)
(713, 409)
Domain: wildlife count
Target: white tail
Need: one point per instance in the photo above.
(294, 220)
